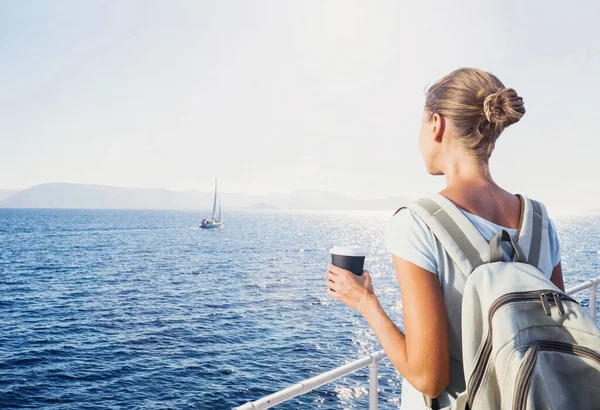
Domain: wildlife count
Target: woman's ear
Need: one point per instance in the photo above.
(438, 127)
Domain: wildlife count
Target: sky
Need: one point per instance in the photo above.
(275, 96)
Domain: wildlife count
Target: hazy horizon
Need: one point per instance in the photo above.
(239, 200)
(207, 190)
(273, 97)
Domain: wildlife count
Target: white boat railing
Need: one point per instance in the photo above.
(372, 361)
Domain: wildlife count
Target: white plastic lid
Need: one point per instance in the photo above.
(352, 250)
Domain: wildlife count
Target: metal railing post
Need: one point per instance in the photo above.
(593, 291)
(373, 373)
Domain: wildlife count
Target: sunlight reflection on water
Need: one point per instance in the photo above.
(223, 317)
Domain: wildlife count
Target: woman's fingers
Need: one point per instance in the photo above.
(336, 279)
(344, 286)
(339, 281)
(331, 284)
(333, 294)
(336, 283)
(332, 276)
(341, 276)
(336, 270)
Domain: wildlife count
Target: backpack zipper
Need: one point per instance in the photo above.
(525, 373)
(541, 296)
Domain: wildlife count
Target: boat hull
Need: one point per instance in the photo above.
(212, 226)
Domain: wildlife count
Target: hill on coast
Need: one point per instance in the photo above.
(5, 193)
(73, 196)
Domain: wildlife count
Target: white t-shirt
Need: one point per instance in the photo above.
(409, 238)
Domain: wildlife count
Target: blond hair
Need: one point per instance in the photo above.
(479, 106)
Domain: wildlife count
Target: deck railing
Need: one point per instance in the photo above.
(372, 361)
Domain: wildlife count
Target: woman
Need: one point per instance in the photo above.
(465, 113)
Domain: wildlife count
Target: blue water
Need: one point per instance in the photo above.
(140, 309)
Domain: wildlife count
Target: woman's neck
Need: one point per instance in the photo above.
(466, 171)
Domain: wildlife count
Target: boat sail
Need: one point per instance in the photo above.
(216, 221)
(220, 214)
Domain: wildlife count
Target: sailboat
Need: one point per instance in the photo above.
(216, 221)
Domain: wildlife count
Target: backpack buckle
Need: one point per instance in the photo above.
(545, 303)
(558, 300)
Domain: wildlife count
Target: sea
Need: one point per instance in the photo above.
(124, 309)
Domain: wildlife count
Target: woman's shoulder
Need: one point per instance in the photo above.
(408, 237)
(407, 222)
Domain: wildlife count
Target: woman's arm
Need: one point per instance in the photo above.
(557, 277)
(422, 356)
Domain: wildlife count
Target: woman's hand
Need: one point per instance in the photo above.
(350, 289)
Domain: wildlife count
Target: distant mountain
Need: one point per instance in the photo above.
(5, 193)
(64, 195)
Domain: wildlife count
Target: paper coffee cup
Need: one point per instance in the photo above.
(351, 258)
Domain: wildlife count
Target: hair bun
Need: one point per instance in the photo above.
(503, 107)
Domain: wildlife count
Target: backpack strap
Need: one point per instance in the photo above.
(536, 236)
(533, 236)
(467, 248)
(432, 403)
(465, 245)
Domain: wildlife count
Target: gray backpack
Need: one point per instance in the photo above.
(525, 344)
